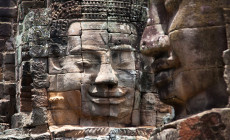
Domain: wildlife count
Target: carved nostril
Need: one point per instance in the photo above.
(144, 43)
(110, 86)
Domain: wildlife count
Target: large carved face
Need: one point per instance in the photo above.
(187, 39)
(94, 83)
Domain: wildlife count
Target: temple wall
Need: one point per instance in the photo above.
(8, 27)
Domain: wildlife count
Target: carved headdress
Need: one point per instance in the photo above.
(63, 12)
(110, 10)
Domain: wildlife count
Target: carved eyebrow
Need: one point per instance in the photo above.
(122, 48)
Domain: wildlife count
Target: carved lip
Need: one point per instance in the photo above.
(163, 64)
(162, 78)
(107, 100)
(163, 68)
(114, 96)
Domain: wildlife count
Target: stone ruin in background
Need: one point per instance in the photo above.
(79, 71)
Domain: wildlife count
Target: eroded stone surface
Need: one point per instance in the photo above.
(212, 124)
(187, 48)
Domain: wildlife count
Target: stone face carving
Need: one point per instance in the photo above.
(79, 73)
(95, 82)
(85, 67)
(187, 39)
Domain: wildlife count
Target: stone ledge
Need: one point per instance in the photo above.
(211, 124)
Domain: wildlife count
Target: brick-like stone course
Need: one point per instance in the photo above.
(8, 19)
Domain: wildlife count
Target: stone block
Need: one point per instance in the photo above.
(74, 134)
(8, 12)
(98, 121)
(26, 81)
(65, 100)
(1, 58)
(69, 81)
(52, 83)
(94, 26)
(38, 51)
(115, 27)
(39, 72)
(122, 39)
(39, 116)
(1, 90)
(226, 56)
(124, 119)
(39, 92)
(228, 31)
(95, 57)
(8, 3)
(1, 75)
(2, 45)
(92, 109)
(210, 55)
(7, 19)
(75, 29)
(94, 40)
(39, 101)
(43, 136)
(84, 91)
(25, 94)
(74, 45)
(42, 17)
(188, 13)
(38, 65)
(148, 101)
(147, 82)
(123, 60)
(146, 64)
(120, 111)
(9, 45)
(63, 117)
(137, 100)
(5, 29)
(3, 119)
(26, 69)
(10, 89)
(126, 78)
(9, 58)
(25, 104)
(148, 117)
(20, 120)
(170, 133)
(9, 72)
(24, 10)
(67, 64)
(136, 117)
(4, 126)
(4, 105)
(114, 124)
(39, 129)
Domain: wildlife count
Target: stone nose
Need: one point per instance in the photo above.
(106, 76)
(154, 41)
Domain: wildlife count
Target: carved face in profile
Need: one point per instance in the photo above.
(187, 39)
(94, 83)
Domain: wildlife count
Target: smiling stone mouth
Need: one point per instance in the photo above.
(114, 96)
(107, 93)
(107, 100)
